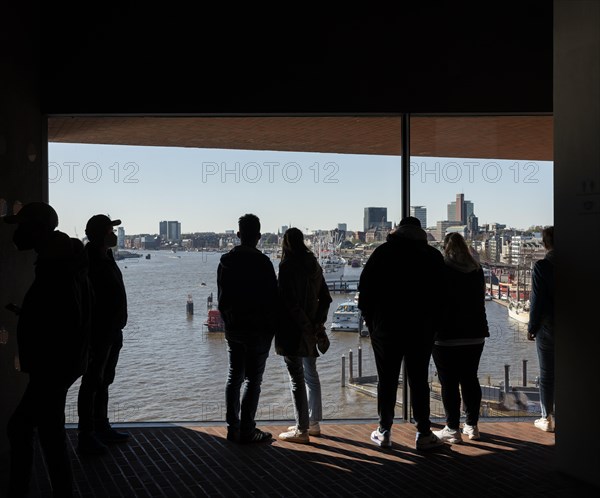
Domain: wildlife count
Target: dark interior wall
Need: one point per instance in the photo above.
(23, 177)
(577, 221)
(418, 57)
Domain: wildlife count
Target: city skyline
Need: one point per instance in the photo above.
(207, 190)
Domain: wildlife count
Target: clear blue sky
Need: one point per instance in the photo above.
(208, 189)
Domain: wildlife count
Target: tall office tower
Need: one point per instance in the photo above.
(460, 210)
(459, 214)
(162, 230)
(342, 227)
(420, 212)
(375, 217)
(169, 230)
(121, 237)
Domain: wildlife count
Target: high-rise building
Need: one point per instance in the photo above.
(420, 212)
(376, 217)
(121, 237)
(170, 230)
(460, 210)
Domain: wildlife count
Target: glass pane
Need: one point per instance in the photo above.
(490, 179)
(179, 209)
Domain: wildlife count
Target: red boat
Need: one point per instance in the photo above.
(214, 321)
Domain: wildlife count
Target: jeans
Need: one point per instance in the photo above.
(389, 353)
(457, 368)
(247, 362)
(544, 341)
(92, 401)
(306, 390)
(42, 407)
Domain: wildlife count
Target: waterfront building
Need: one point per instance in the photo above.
(420, 212)
(376, 217)
(121, 237)
(170, 231)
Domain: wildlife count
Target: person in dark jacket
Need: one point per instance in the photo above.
(541, 328)
(304, 300)
(53, 340)
(399, 298)
(460, 339)
(109, 317)
(247, 294)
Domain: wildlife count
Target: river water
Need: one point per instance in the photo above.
(172, 369)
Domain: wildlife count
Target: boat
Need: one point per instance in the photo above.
(347, 316)
(519, 310)
(214, 321)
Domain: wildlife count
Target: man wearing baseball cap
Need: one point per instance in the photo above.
(109, 317)
(53, 339)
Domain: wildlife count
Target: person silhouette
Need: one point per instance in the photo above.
(460, 340)
(304, 302)
(398, 289)
(541, 328)
(247, 296)
(109, 317)
(53, 339)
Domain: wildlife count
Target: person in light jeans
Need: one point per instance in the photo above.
(304, 303)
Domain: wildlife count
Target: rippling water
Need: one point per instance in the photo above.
(171, 369)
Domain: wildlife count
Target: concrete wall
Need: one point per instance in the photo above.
(577, 224)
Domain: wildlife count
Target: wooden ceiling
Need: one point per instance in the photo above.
(497, 137)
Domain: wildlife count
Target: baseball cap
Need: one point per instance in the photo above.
(97, 225)
(35, 212)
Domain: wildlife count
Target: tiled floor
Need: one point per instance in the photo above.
(512, 459)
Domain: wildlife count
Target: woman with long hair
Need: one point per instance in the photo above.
(460, 339)
(304, 301)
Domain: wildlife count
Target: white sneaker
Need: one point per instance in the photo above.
(314, 429)
(382, 438)
(428, 442)
(449, 435)
(472, 431)
(545, 424)
(295, 436)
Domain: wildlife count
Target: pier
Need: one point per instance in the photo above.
(342, 286)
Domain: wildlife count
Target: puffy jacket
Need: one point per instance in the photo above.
(401, 287)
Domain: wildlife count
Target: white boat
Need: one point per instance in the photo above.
(347, 316)
(518, 310)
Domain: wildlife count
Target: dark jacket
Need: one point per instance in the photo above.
(304, 302)
(247, 294)
(401, 287)
(109, 310)
(53, 331)
(464, 304)
(541, 303)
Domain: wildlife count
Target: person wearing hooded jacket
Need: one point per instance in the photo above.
(247, 298)
(53, 340)
(304, 303)
(459, 341)
(399, 299)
